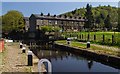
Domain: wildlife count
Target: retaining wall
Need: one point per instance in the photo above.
(113, 61)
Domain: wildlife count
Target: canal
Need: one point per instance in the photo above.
(66, 61)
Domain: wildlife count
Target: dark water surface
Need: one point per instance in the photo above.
(63, 61)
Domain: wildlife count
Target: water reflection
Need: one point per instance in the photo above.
(63, 61)
(90, 64)
(48, 52)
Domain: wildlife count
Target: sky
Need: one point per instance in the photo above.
(28, 8)
(60, 0)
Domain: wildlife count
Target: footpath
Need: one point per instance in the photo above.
(105, 47)
(13, 60)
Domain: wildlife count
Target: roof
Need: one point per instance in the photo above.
(26, 18)
(51, 17)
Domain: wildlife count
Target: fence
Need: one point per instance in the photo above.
(1, 45)
(102, 38)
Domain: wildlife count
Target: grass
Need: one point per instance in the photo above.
(99, 37)
(96, 49)
(73, 43)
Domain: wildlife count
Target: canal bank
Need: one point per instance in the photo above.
(103, 58)
(69, 61)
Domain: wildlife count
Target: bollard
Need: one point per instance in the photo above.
(88, 44)
(21, 45)
(68, 41)
(23, 50)
(30, 58)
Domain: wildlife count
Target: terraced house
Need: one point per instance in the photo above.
(65, 23)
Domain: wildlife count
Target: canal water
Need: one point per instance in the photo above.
(64, 61)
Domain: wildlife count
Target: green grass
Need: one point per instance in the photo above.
(96, 49)
(78, 44)
(73, 43)
(99, 37)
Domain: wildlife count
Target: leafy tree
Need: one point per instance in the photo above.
(108, 22)
(99, 15)
(69, 14)
(50, 29)
(119, 19)
(74, 12)
(46, 28)
(12, 20)
(102, 16)
(57, 29)
(89, 17)
(0, 23)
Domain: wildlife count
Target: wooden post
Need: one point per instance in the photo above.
(103, 38)
(77, 36)
(70, 35)
(88, 37)
(94, 37)
(80, 36)
(112, 39)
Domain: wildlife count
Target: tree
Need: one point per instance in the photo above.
(50, 29)
(108, 22)
(99, 15)
(89, 17)
(0, 23)
(46, 29)
(119, 19)
(57, 29)
(100, 21)
(74, 12)
(12, 20)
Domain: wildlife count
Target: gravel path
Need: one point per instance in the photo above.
(14, 60)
